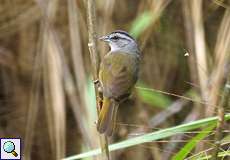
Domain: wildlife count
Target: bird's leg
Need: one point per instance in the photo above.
(96, 82)
(100, 93)
(100, 98)
(122, 98)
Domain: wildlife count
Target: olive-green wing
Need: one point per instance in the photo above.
(118, 74)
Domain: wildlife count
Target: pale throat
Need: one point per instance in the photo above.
(114, 48)
(128, 48)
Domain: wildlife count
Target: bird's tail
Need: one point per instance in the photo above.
(107, 117)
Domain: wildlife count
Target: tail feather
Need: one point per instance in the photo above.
(107, 117)
(111, 129)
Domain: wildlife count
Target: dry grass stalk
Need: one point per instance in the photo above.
(33, 105)
(35, 96)
(55, 74)
(76, 50)
(221, 60)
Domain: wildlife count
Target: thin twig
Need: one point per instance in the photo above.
(95, 59)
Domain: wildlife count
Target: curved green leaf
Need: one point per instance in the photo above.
(193, 142)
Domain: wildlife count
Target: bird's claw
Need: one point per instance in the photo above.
(96, 81)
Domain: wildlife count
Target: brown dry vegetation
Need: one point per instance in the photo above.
(45, 72)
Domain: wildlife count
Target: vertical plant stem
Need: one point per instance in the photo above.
(200, 45)
(95, 59)
(53, 73)
(221, 59)
(34, 100)
(188, 25)
(54, 86)
(221, 110)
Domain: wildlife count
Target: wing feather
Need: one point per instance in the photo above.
(118, 73)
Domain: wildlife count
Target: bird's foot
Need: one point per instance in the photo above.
(96, 81)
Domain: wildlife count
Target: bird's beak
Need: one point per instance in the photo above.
(104, 38)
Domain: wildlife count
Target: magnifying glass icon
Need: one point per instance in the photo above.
(9, 147)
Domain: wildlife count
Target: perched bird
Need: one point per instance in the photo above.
(117, 76)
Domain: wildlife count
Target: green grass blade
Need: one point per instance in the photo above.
(141, 23)
(203, 156)
(193, 142)
(152, 98)
(151, 136)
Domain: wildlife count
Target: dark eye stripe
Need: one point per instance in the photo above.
(123, 32)
(115, 37)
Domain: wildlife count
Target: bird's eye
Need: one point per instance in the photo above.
(115, 38)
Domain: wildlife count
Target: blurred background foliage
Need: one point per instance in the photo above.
(47, 96)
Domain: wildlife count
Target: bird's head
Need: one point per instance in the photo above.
(121, 41)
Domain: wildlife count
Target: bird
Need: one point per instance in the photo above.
(118, 74)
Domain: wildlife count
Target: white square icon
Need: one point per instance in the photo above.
(10, 148)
